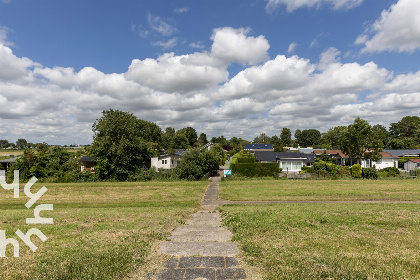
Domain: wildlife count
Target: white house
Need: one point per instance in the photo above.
(166, 161)
(387, 160)
(288, 161)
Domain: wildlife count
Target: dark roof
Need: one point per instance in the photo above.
(401, 153)
(258, 146)
(87, 158)
(9, 160)
(274, 156)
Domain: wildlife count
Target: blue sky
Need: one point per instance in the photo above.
(232, 68)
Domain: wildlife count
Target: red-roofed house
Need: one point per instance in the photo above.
(338, 155)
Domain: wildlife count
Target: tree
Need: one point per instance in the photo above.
(202, 139)
(190, 133)
(119, 145)
(262, 139)
(309, 138)
(180, 141)
(4, 144)
(332, 137)
(359, 141)
(197, 163)
(21, 143)
(286, 137)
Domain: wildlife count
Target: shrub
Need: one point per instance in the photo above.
(356, 171)
(369, 173)
(320, 165)
(256, 169)
(332, 169)
(390, 172)
(344, 171)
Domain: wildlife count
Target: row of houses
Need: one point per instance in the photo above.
(296, 158)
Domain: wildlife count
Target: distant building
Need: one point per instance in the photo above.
(166, 161)
(288, 161)
(88, 163)
(259, 147)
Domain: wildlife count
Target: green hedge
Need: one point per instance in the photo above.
(246, 160)
(370, 173)
(356, 171)
(256, 169)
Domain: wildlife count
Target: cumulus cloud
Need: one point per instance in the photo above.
(292, 5)
(3, 36)
(59, 104)
(233, 45)
(398, 29)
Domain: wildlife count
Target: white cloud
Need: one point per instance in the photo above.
(3, 36)
(181, 10)
(398, 29)
(291, 47)
(172, 73)
(159, 25)
(233, 45)
(292, 5)
(168, 44)
(59, 104)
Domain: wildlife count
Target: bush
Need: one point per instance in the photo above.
(320, 165)
(369, 173)
(344, 171)
(356, 171)
(390, 172)
(256, 169)
(332, 169)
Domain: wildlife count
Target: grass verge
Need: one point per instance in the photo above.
(100, 231)
(328, 241)
(320, 190)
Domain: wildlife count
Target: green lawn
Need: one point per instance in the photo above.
(329, 241)
(320, 190)
(100, 230)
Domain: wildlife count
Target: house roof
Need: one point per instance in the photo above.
(9, 160)
(402, 153)
(387, 155)
(258, 146)
(87, 158)
(331, 152)
(415, 160)
(274, 156)
(170, 155)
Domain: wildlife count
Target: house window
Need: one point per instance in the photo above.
(164, 161)
(172, 162)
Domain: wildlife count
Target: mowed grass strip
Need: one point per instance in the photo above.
(320, 190)
(328, 241)
(100, 231)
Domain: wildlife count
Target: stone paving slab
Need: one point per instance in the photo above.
(211, 268)
(207, 249)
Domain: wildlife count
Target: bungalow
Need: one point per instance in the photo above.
(7, 162)
(386, 160)
(166, 161)
(340, 158)
(412, 164)
(87, 163)
(288, 161)
(259, 147)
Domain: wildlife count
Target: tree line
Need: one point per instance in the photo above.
(404, 134)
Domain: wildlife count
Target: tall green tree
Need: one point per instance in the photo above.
(190, 133)
(332, 137)
(309, 138)
(119, 145)
(21, 143)
(286, 137)
(360, 141)
(202, 139)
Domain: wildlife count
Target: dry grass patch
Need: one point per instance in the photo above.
(100, 230)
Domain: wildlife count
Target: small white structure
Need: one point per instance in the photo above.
(387, 160)
(412, 164)
(165, 161)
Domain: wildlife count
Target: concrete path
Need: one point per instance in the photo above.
(201, 249)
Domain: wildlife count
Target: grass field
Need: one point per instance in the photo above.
(321, 190)
(100, 230)
(327, 241)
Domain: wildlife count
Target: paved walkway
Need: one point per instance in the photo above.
(202, 248)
